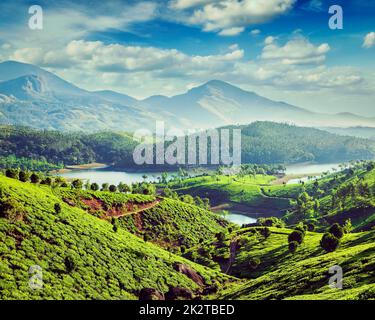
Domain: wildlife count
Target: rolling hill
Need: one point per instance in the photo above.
(80, 255)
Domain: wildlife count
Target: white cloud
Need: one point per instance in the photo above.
(63, 24)
(224, 16)
(296, 51)
(231, 31)
(255, 32)
(313, 5)
(269, 40)
(185, 4)
(369, 40)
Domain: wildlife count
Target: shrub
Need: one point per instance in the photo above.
(265, 232)
(47, 181)
(297, 236)
(329, 242)
(24, 176)
(112, 188)
(311, 227)
(348, 227)
(336, 230)
(220, 236)
(301, 227)
(293, 245)
(254, 263)
(12, 173)
(34, 178)
(57, 208)
(114, 224)
(94, 186)
(69, 264)
(271, 222)
(77, 184)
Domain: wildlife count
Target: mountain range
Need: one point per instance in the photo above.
(34, 97)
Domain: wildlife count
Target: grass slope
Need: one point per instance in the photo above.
(104, 264)
(243, 193)
(169, 223)
(304, 274)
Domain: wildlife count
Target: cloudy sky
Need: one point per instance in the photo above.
(282, 49)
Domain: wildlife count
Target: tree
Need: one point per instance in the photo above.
(220, 236)
(105, 187)
(57, 208)
(47, 181)
(94, 186)
(265, 232)
(114, 224)
(254, 263)
(24, 176)
(336, 230)
(329, 242)
(348, 227)
(112, 188)
(297, 236)
(34, 178)
(123, 187)
(70, 264)
(311, 227)
(293, 245)
(12, 173)
(77, 184)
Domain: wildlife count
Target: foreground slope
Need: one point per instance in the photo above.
(80, 255)
(305, 273)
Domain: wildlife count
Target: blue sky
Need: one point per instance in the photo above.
(282, 49)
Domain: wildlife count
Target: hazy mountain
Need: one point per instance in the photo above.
(32, 96)
(359, 132)
(219, 103)
(116, 97)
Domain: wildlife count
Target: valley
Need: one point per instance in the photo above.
(106, 241)
(75, 206)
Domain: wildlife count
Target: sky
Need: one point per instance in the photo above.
(281, 49)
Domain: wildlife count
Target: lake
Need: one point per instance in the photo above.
(239, 218)
(309, 169)
(101, 176)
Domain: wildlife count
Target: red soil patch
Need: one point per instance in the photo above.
(94, 204)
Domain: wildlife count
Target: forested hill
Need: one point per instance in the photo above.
(262, 142)
(270, 142)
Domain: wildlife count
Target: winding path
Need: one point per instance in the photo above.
(143, 208)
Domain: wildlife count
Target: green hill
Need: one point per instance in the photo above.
(169, 223)
(81, 256)
(305, 273)
(238, 193)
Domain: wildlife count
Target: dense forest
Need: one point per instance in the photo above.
(268, 142)
(262, 142)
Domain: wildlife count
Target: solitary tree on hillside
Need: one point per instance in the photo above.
(34, 178)
(94, 186)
